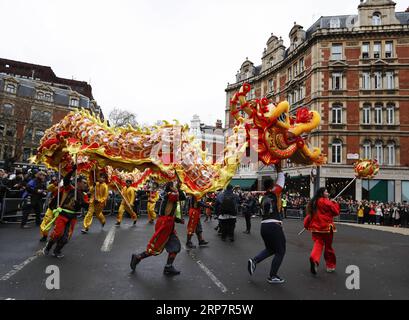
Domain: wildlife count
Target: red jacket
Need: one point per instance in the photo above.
(323, 219)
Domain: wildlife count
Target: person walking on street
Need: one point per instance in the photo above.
(271, 229)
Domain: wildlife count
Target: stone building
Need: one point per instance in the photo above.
(354, 71)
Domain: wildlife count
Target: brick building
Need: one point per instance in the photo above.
(32, 99)
(353, 70)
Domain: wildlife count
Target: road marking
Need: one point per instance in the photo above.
(109, 240)
(206, 270)
(17, 268)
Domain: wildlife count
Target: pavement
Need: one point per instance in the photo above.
(96, 265)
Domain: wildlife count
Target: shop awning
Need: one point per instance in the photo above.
(244, 184)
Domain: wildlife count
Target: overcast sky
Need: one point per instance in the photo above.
(161, 59)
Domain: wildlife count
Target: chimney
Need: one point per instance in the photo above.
(219, 124)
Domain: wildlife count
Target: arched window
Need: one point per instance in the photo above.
(367, 149)
(379, 152)
(366, 113)
(376, 19)
(337, 151)
(337, 113)
(391, 153)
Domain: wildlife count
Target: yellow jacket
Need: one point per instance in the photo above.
(101, 192)
(129, 194)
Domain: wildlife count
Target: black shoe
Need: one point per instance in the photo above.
(171, 271)
(135, 260)
(275, 280)
(43, 239)
(247, 232)
(203, 243)
(116, 224)
(313, 267)
(134, 222)
(190, 245)
(103, 224)
(223, 239)
(231, 239)
(84, 231)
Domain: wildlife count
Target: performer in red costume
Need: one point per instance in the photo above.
(320, 221)
(165, 234)
(194, 225)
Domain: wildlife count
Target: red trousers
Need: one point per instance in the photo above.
(63, 228)
(194, 217)
(164, 227)
(323, 241)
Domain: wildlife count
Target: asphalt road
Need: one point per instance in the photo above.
(96, 266)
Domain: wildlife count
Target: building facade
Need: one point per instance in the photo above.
(353, 70)
(32, 99)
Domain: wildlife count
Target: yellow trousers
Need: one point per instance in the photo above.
(151, 211)
(122, 208)
(46, 220)
(97, 209)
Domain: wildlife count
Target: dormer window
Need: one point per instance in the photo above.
(376, 19)
(74, 102)
(10, 88)
(335, 23)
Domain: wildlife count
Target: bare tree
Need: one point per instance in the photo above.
(121, 118)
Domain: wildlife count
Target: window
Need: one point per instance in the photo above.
(11, 131)
(337, 81)
(335, 23)
(252, 94)
(301, 92)
(74, 102)
(2, 127)
(376, 19)
(40, 95)
(26, 154)
(270, 85)
(389, 49)
(379, 152)
(8, 109)
(28, 135)
(391, 153)
(365, 50)
(390, 113)
(336, 52)
(38, 135)
(11, 88)
(295, 68)
(301, 65)
(48, 97)
(390, 80)
(47, 116)
(337, 114)
(366, 81)
(378, 80)
(377, 50)
(378, 114)
(8, 152)
(367, 150)
(366, 119)
(289, 74)
(36, 115)
(336, 151)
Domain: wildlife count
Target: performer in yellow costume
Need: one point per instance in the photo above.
(128, 194)
(99, 196)
(153, 198)
(53, 189)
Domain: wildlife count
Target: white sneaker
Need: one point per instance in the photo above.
(251, 266)
(275, 279)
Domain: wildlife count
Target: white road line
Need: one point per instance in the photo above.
(109, 240)
(17, 268)
(206, 270)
